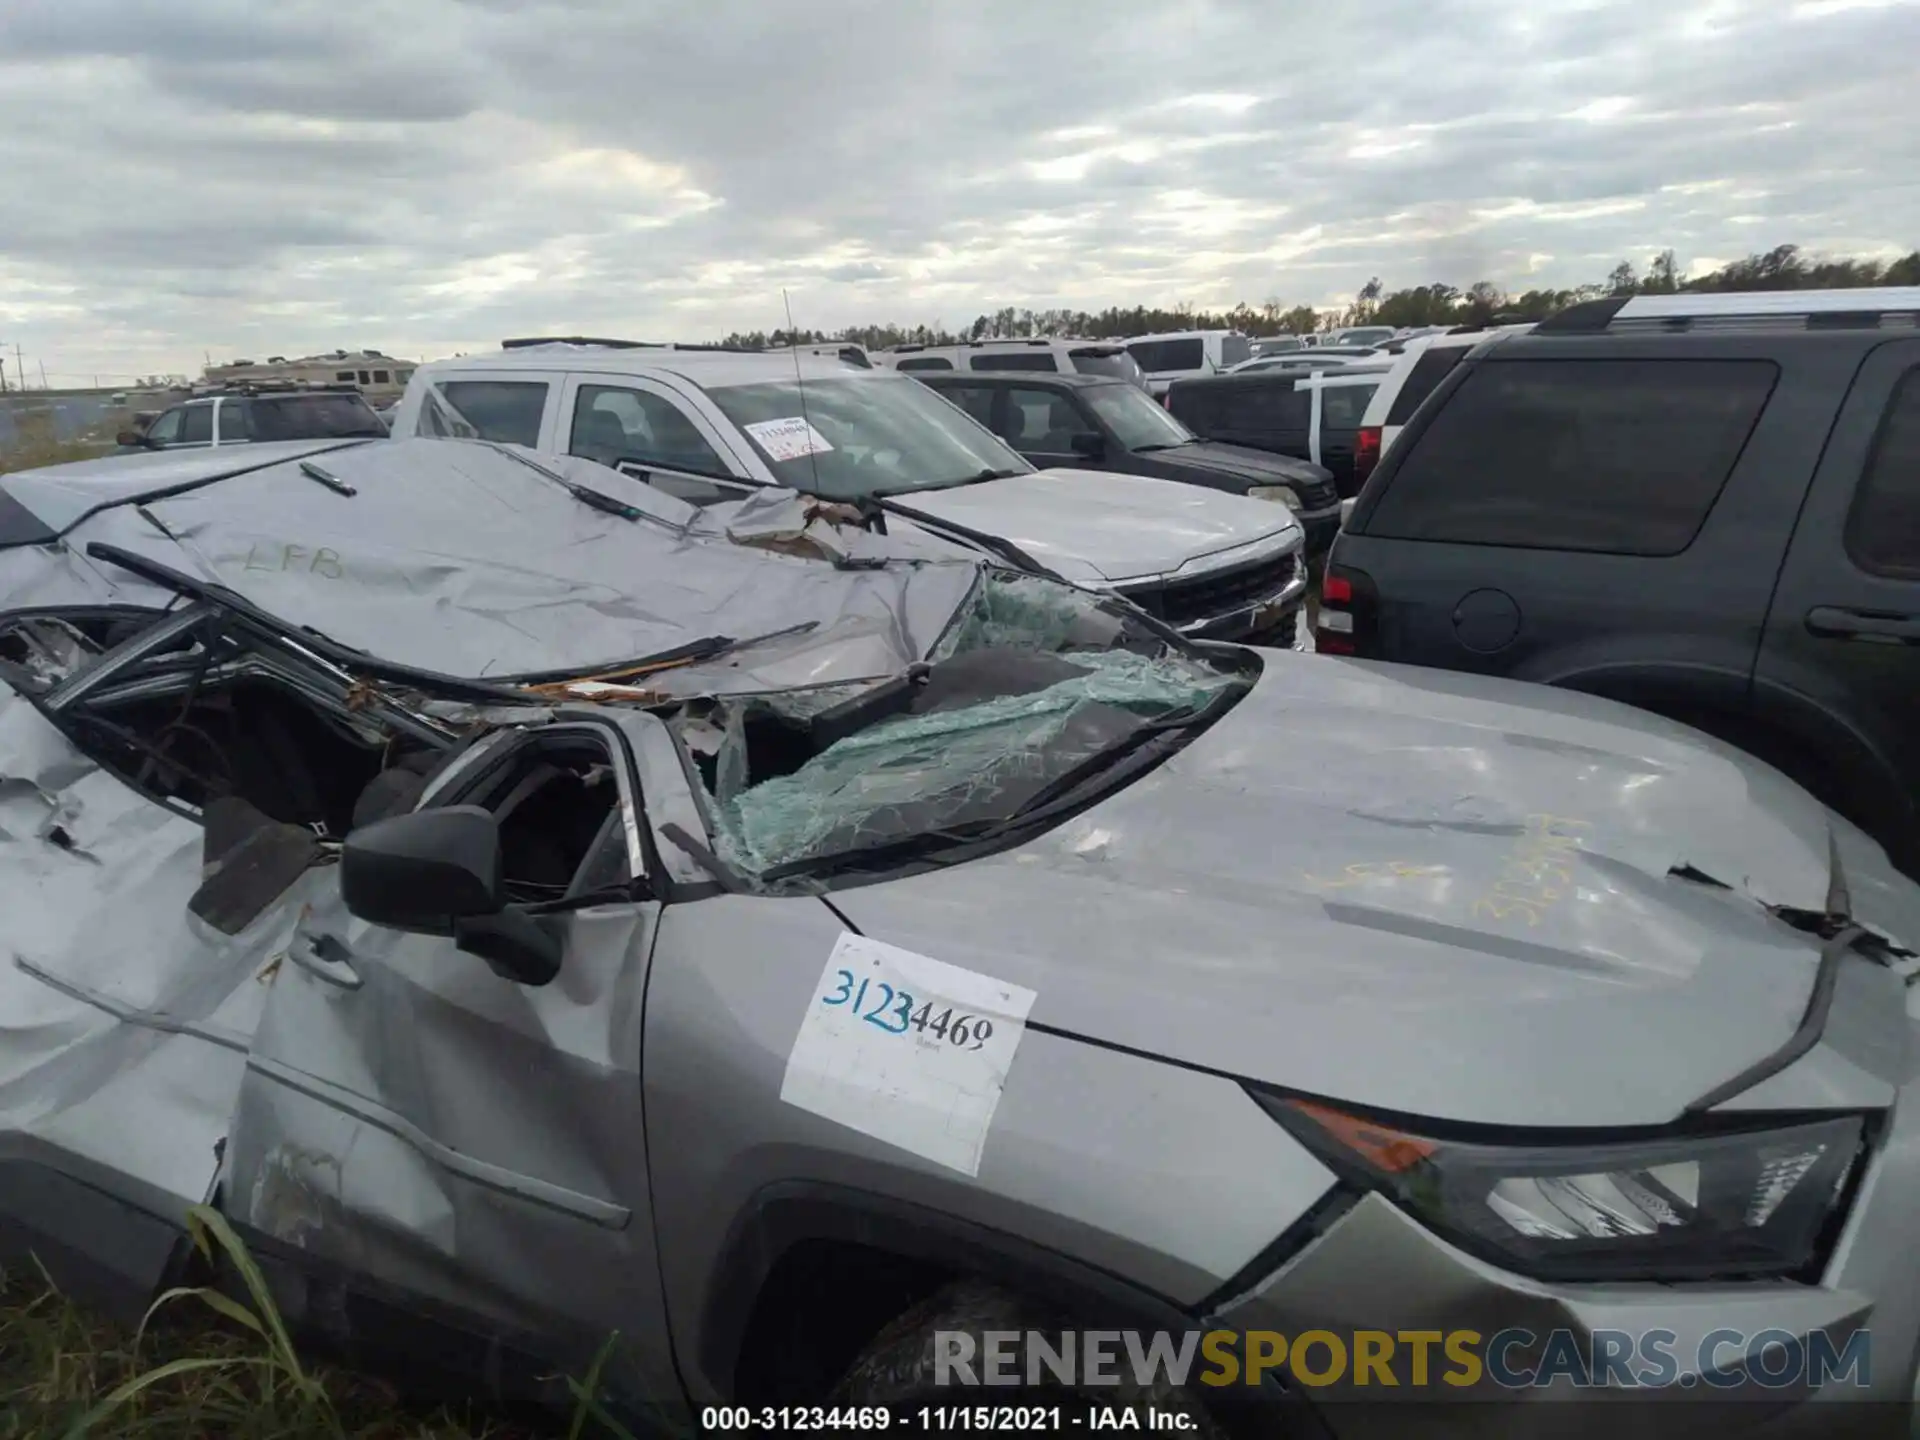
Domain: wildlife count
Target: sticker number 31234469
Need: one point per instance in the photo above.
(908, 1049)
(891, 1010)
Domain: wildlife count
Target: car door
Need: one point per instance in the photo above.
(230, 422)
(1267, 412)
(976, 400)
(164, 433)
(196, 426)
(642, 429)
(1844, 628)
(1041, 424)
(510, 407)
(418, 1135)
(1339, 405)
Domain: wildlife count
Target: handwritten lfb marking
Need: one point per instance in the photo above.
(1537, 873)
(296, 559)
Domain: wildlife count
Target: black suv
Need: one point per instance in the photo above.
(1313, 416)
(1704, 505)
(1093, 422)
(243, 414)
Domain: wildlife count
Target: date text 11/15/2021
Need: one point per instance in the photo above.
(941, 1419)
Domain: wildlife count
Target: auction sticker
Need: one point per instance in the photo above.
(789, 439)
(907, 1049)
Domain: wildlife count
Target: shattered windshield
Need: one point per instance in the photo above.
(848, 439)
(1038, 690)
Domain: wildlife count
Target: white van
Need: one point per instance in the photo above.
(1187, 354)
(713, 425)
(1056, 357)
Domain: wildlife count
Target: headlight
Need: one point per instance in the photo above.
(1754, 1202)
(1283, 493)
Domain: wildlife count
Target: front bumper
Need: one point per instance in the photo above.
(1273, 616)
(1248, 601)
(1321, 526)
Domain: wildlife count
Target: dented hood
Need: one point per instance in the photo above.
(1416, 890)
(480, 561)
(1092, 526)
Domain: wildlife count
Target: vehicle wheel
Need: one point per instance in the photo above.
(897, 1369)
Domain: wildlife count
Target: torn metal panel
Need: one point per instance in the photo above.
(128, 1069)
(468, 560)
(1346, 952)
(478, 1143)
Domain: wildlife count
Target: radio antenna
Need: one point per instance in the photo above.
(800, 384)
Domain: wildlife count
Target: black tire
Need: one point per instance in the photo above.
(897, 1367)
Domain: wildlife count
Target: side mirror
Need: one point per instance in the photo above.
(426, 871)
(132, 437)
(1090, 445)
(438, 872)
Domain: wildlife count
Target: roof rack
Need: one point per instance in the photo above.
(1885, 307)
(274, 387)
(529, 341)
(535, 342)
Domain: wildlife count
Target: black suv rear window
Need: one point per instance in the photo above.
(1433, 366)
(313, 417)
(1883, 530)
(1158, 357)
(1024, 360)
(1621, 457)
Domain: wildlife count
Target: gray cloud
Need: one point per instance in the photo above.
(429, 175)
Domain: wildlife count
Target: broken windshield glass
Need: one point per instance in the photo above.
(1036, 686)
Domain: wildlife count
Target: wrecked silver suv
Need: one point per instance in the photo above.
(533, 909)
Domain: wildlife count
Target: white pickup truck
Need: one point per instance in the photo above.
(708, 425)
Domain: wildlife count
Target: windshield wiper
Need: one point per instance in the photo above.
(586, 494)
(1168, 445)
(995, 545)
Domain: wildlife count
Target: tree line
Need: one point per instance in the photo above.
(1785, 267)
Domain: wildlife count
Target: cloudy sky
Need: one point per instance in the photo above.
(180, 177)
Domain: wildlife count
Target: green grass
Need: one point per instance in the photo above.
(205, 1366)
(35, 444)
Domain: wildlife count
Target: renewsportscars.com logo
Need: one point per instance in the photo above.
(1409, 1360)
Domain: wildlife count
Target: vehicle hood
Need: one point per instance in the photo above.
(60, 495)
(482, 562)
(1092, 526)
(1329, 891)
(1231, 466)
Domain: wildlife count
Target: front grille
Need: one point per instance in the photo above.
(1220, 592)
(1319, 494)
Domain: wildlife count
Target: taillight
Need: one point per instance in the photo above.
(1345, 625)
(1366, 452)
